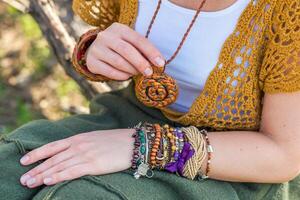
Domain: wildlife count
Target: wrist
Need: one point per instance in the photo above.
(80, 54)
(131, 140)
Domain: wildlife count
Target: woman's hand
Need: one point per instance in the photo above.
(93, 153)
(119, 52)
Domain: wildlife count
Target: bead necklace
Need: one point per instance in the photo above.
(160, 90)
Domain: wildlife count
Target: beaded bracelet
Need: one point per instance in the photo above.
(139, 161)
(172, 140)
(150, 134)
(166, 151)
(209, 155)
(79, 56)
(155, 148)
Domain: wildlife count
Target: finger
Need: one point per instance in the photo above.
(131, 54)
(49, 163)
(112, 58)
(44, 152)
(100, 67)
(39, 178)
(70, 173)
(143, 45)
(140, 42)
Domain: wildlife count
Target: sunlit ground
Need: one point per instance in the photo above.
(32, 84)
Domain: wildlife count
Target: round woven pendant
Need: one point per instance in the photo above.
(158, 90)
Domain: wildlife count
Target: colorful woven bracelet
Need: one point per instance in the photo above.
(181, 157)
(79, 56)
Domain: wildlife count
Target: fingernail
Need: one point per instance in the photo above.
(24, 159)
(148, 71)
(160, 62)
(31, 181)
(47, 180)
(24, 178)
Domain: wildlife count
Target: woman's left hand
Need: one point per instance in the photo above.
(93, 153)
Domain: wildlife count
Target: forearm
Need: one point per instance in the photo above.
(245, 156)
(238, 156)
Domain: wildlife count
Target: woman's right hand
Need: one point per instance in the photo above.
(119, 52)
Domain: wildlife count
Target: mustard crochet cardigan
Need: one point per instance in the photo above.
(262, 55)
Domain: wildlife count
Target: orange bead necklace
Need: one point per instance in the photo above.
(160, 90)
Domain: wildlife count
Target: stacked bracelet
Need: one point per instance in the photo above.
(176, 150)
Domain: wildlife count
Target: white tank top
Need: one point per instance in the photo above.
(200, 52)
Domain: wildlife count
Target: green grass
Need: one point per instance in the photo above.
(30, 28)
(39, 51)
(12, 11)
(24, 113)
(2, 89)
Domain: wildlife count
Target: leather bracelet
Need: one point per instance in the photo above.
(79, 56)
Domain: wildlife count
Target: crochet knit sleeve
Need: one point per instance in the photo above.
(101, 13)
(280, 70)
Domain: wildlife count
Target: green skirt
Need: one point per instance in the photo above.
(119, 109)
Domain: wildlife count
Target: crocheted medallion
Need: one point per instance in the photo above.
(158, 90)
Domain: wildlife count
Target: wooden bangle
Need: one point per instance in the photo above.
(79, 56)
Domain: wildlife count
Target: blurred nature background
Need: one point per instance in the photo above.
(32, 84)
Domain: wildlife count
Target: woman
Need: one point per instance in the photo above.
(242, 56)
